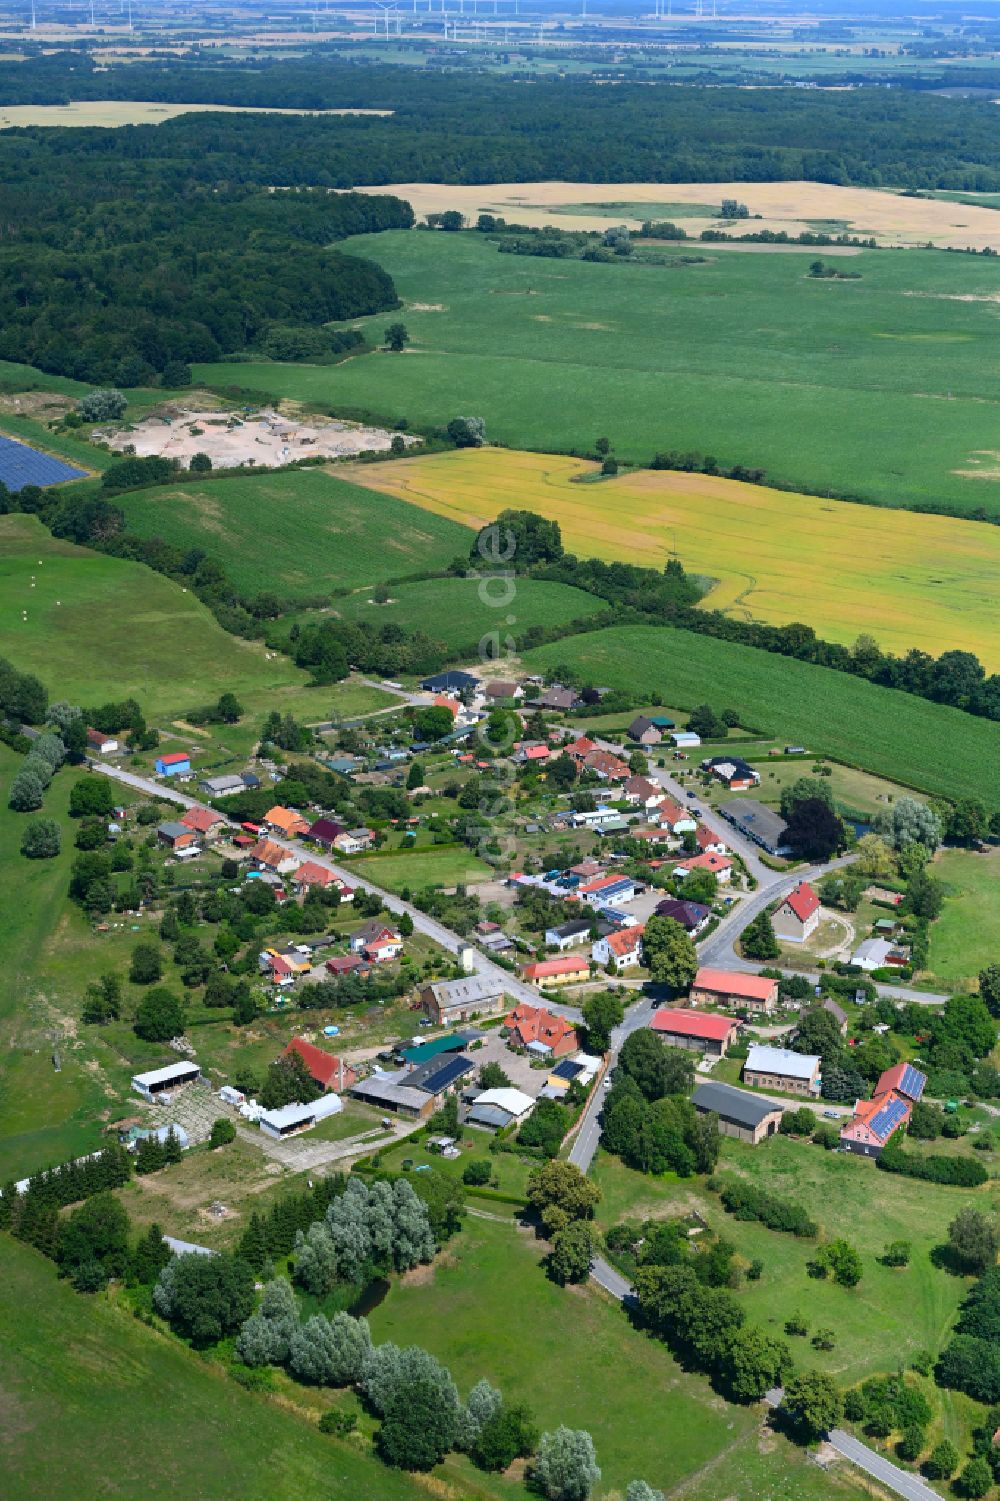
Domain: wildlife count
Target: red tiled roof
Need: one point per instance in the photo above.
(866, 1110)
(322, 1067)
(269, 853)
(581, 747)
(174, 758)
(605, 762)
(442, 701)
(731, 982)
(705, 862)
(201, 819)
(692, 1024)
(566, 965)
(705, 837)
(669, 811)
(803, 901)
(535, 1024)
(624, 940)
(286, 819)
(311, 874)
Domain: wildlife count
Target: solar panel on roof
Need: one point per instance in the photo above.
(21, 465)
(567, 1069)
(912, 1082)
(885, 1121)
(445, 1075)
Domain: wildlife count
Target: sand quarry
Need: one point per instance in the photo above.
(264, 439)
(791, 206)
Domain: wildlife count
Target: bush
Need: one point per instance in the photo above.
(477, 1174)
(223, 1132)
(101, 405)
(41, 839)
(942, 1461)
(339, 1423)
(746, 1202)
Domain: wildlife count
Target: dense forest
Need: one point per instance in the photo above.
(118, 287)
(467, 127)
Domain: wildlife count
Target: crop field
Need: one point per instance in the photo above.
(966, 937)
(462, 612)
(111, 113)
(880, 389)
(893, 734)
(488, 1309)
(927, 581)
(98, 628)
(790, 206)
(78, 1370)
(298, 534)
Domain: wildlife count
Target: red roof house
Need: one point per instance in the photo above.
(203, 821)
(729, 987)
(332, 1073)
(874, 1122)
(579, 750)
(527, 1025)
(797, 917)
(904, 1079)
(693, 1029)
(565, 970)
(720, 866)
(311, 874)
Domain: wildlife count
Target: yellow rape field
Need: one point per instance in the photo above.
(931, 582)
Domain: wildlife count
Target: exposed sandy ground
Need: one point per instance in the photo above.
(265, 439)
(892, 219)
(117, 112)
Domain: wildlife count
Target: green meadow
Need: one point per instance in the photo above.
(461, 612)
(881, 389)
(298, 534)
(570, 1354)
(96, 1404)
(895, 735)
(966, 937)
(99, 628)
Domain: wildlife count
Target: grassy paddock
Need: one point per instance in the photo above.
(745, 357)
(927, 581)
(128, 1404)
(296, 534)
(966, 937)
(891, 734)
(445, 866)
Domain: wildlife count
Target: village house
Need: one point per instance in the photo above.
(501, 691)
(285, 821)
(732, 988)
(323, 1068)
(712, 1035)
(732, 771)
(452, 681)
(531, 750)
(450, 1001)
(709, 843)
(578, 750)
(639, 790)
(325, 831)
(569, 935)
(176, 837)
(720, 865)
(222, 786)
(874, 1121)
(271, 856)
(540, 1032)
(377, 941)
(742, 1115)
(878, 953)
(311, 874)
(671, 816)
(100, 743)
(797, 917)
(547, 973)
(348, 964)
(608, 767)
(607, 891)
(778, 1068)
(204, 822)
(622, 948)
(643, 731)
(838, 1013)
(354, 841)
(693, 917)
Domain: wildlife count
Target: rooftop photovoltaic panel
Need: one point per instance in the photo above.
(567, 1069)
(885, 1121)
(21, 465)
(453, 1069)
(913, 1082)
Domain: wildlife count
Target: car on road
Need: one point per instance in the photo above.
(691, 796)
(832, 1115)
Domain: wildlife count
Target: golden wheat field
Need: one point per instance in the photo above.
(930, 582)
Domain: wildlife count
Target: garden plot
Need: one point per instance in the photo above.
(263, 438)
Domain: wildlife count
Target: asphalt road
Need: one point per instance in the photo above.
(482, 965)
(883, 1470)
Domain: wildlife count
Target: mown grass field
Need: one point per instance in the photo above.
(880, 389)
(897, 736)
(298, 534)
(488, 1308)
(892, 1313)
(95, 1404)
(461, 612)
(100, 628)
(966, 937)
(447, 866)
(927, 581)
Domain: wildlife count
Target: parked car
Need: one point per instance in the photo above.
(832, 1115)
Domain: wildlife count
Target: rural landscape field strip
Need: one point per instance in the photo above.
(297, 534)
(881, 389)
(909, 740)
(930, 582)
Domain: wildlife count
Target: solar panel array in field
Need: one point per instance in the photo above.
(21, 465)
(885, 1121)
